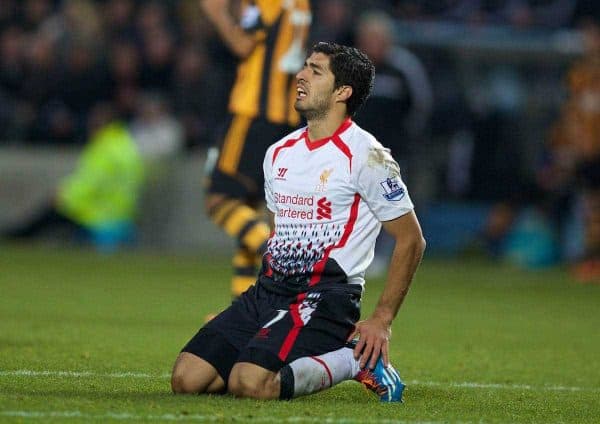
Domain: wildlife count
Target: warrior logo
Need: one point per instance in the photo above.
(281, 173)
(323, 208)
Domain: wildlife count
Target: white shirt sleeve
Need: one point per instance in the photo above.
(268, 174)
(380, 185)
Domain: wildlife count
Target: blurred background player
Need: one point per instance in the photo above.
(557, 216)
(574, 155)
(99, 199)
(269, 39)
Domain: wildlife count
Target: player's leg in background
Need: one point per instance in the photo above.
(235, 194)
(245, 225)
(245, 263)
(234, 189)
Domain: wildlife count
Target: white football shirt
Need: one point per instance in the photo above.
(329, 197)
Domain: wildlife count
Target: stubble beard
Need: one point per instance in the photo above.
(318, 112)
(313, 114)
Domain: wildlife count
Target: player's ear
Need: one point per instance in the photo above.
(343, 93)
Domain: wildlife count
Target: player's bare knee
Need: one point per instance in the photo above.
(248, 384)
(245, 388)
(180, 384)
(192, 375)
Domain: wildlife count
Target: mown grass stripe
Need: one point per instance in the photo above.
(142, 375)
(504, 386)
(126, 416)
(77, 374)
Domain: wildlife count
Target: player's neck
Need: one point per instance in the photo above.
(324, 127)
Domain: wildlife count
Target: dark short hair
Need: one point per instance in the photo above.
(350, 67)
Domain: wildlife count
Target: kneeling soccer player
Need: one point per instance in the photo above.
(330, 187)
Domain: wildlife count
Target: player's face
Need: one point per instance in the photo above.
(315, 87)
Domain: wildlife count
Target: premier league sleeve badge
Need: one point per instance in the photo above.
(393, 190)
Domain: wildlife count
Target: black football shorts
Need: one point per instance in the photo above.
(271, 330)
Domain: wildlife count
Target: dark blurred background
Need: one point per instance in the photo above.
(491, 107)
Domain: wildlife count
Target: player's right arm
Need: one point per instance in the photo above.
(375, 331)
(380, 185)
(233, 35)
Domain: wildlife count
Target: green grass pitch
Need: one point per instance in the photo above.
(86, 337)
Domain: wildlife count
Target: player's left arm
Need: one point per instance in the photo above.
(375, 331)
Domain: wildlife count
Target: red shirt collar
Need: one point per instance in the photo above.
(312, 145)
